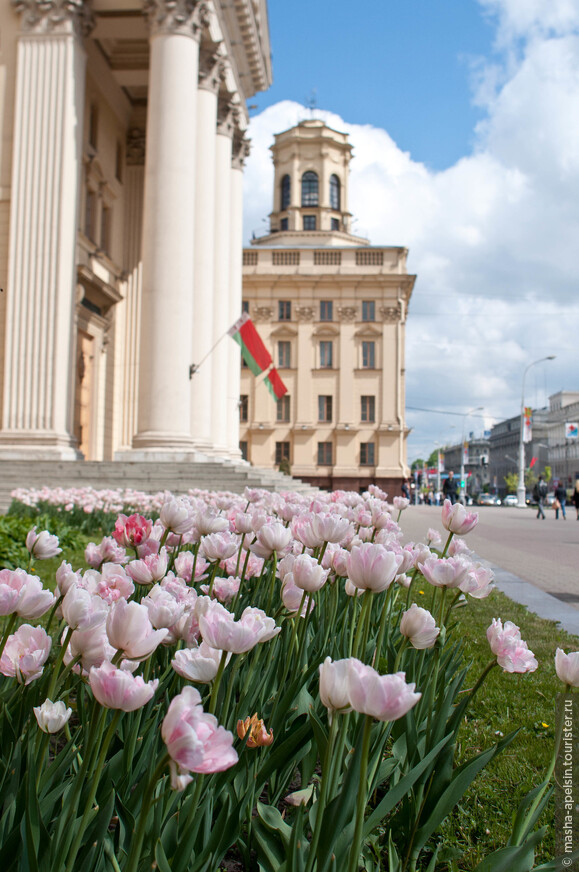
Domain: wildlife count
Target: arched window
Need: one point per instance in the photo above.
(285, 193)
(334, 192)
(309, 189)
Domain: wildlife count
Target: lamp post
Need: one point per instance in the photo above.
(463, 489)
(521, 489)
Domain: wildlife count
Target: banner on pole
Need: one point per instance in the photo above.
(528, 424)
(253, 351)
(571, 430)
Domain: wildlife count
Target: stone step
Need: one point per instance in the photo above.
(147, 477)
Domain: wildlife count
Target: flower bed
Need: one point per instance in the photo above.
(247, 675)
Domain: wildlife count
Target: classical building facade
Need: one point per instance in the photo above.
(332, 309)
(123, 139)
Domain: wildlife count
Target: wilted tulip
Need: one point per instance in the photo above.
(258, 735)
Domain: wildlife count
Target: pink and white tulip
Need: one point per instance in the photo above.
(567, 667)
(51, 716)
(419, 627)
(457, 520)
(198, 664)
(25, 654)
(117, 689)
(42, 546)
(384, 697)
(372, 567)
(130, 630)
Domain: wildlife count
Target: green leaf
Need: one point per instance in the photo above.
(521, 829)
(271, 850)
(513, 858)
(396, 793)
(274, 821)
(339, 811)
(299, 845)
(161, 858)
(394, 864)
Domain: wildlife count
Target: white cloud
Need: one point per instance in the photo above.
(493, 239)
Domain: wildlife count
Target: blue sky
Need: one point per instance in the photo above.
(404, 65)
(464, 118)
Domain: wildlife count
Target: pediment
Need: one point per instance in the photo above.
(284, 331)
(368, 331)
(326, 330)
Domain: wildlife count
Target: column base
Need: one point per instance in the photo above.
(37, 445)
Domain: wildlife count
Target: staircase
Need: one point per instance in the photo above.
(148, 477)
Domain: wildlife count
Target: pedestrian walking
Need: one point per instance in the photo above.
(575, 498)
(560, 500)
(405, 489)
(449, 488)
(539, 494)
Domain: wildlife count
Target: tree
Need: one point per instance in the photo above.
(418, 464)
(433, 459)
(512, 482)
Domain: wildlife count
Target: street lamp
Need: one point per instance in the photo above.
(463, 489)
(521, 489)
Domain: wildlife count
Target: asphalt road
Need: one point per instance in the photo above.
(543, 553)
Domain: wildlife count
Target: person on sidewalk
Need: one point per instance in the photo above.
(575, 498)
(561, 498)
(449, 488)
(539, 494)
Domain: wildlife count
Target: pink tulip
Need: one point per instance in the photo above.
(478, 582)
(114, 583)
(176, 516)
(512, 652)
(130, 630)
(92, 646)
(12, 584)
(83, 611)
(198, 664)
(373, 567)
(117, 689)
(419, 627)
(34, 599)
(132, 531)
(444, 572)
(400, 503)
(331, 528)
(218, 546)
(457, 520)
(220, 630)
(51, 716)
(292, 596)
(25, 653)
(302, 530)
(108, 551)
(308, 574)
(42, 546)
(271, 537)
(433, 537)
(207, 522)
(384, 697)
(567, 667)
(224, 589)
(150, 569)
(164, 609)
(194, 739)
(66, 578)
(334, 685)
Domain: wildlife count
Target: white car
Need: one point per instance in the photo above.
(510, 500)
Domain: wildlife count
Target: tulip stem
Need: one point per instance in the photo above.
(362, 621)
(362, 795)
(217, 682)
(382, 629)
(58, 664)
(448, 541)
(323, 792)
(135, 851)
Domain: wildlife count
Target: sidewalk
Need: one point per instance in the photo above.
(536, 563)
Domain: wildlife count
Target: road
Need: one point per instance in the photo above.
(544, 553)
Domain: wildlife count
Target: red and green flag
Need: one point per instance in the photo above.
(274, 384)
(253, 351)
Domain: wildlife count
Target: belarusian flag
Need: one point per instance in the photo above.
(253, 351)
(274, 384)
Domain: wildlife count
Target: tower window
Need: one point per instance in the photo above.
(285, 192)
(335, 223)
(309, 222)
(334, 192)
(310, 188)
(284, 224)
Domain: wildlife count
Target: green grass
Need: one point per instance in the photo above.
(482, 822)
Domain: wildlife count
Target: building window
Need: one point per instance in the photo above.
(326, 310)
(368, 410)
(309, 189)
(285, 192)
(335, 223)
(284, 310)
(284, 224)
(367, 453)
(282, 452)
(334, 192)
(284, 354)
(243, 449)
(309, 222)
(90, 215)
(106, 218)
(368, 310)
(325, 453)
(93, 124)
(243, 408)
(245, 306)
(283, 409)
(326, 354)
(324, 409)
(368, 355)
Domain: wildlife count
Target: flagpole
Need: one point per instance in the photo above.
(195, 366)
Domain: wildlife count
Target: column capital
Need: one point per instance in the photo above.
(55, 16)
(183, 17)
(136, 144)
(210, 74)
(241, 150)
(227, 115)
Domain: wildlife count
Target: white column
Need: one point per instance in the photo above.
(40, 293)
(168, 232)
(201, 388)
(240, 152)
(221, 390)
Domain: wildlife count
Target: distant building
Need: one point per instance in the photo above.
(563, 450)
(504, 448)
(332, 308)
(476, 466)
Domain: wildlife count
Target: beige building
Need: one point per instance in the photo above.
(332, 310)
(122, 128)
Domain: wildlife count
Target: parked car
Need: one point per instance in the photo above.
(510, 500)
(549, 499)
(488, 500)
